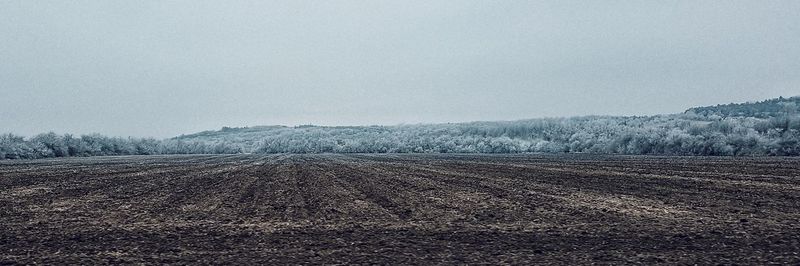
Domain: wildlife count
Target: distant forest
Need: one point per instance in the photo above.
(770, 127)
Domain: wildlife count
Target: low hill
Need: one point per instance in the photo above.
(766, 127)
(764, 109)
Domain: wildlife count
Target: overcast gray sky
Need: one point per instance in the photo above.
(162, 68)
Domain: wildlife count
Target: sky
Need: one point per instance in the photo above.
(163, 68)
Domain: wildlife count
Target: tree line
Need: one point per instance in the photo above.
(687, 134)
(49, 145)
(770, 127)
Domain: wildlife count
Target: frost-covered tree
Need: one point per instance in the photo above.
(765, 128)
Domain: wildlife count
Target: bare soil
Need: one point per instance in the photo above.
(393, 209)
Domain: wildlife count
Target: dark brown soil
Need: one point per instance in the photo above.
(409, 209)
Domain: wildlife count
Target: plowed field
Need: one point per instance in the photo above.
(390, 209)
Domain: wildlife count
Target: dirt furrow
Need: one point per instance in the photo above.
(400, 209)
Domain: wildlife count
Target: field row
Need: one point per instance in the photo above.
(400, 208)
